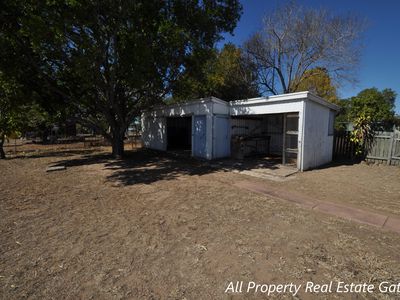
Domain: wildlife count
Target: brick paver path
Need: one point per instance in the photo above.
(339, 210)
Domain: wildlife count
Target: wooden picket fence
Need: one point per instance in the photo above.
(343, 147)
(385, 147)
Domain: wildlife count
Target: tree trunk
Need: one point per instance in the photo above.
(117, 144)
(2, 153)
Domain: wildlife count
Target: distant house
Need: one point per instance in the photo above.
(297, 128)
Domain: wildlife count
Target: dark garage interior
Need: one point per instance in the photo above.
(269, 136)
(179, 133)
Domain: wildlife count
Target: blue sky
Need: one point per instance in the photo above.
(380, 62)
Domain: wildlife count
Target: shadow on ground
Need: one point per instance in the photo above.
(340, 162)
(148, 166)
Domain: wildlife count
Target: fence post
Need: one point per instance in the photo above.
(392, 138)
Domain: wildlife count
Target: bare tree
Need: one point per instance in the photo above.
(295, 39)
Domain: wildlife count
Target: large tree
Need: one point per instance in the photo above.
(294, 40)
(109, 59)
(319, 82)
(9, 95)
(223, 73)
(21, 111)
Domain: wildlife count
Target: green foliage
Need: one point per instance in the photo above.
(319, 82)
(108, 60)
(379, 105)
(9, 121)
(224, 74)
(396, 121)
(38, 119)
(362, 134)
(9, 118)
(343, 117)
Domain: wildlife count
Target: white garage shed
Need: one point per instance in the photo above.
(200, 126)
(297, 128)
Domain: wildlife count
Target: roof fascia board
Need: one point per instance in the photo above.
(270, 99)
(188, 103)
(300, 96)
(323, 102)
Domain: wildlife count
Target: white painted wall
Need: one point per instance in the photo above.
(209, 139)
(154, 135)
(317, 143)
(266, 107)
(221, 136)
(220, 108)
(314, 144)
(154, 122)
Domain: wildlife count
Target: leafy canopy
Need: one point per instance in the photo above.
(370, 104)
(10, 120)
(379, 105)
(109, 59)
(318, 81)
(221, 73)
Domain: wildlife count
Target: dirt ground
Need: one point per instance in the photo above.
(372, 187)
(153, 227)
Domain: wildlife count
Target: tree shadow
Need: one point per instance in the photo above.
(146, 166)
(340, 162)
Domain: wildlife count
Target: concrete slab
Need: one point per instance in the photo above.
(280, 170)
(261, 175)
(266, 168)
(55, 168)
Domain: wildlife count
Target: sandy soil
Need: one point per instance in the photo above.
(152, 227)
(372, 187)
(375, 187)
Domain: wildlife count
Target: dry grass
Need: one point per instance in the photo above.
(154, 227)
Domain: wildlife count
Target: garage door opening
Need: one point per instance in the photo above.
(270, 137)
(179, 134)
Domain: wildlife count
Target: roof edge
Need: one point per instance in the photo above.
(189, 102)
(322, 101)
(286, 97)
(280, 97)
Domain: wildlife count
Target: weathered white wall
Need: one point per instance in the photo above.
(220, 107)
(154, 132)
(314, 144)
(154, 122)
(221, 141)
(318, 144)
(185, 109)
(266, 107)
